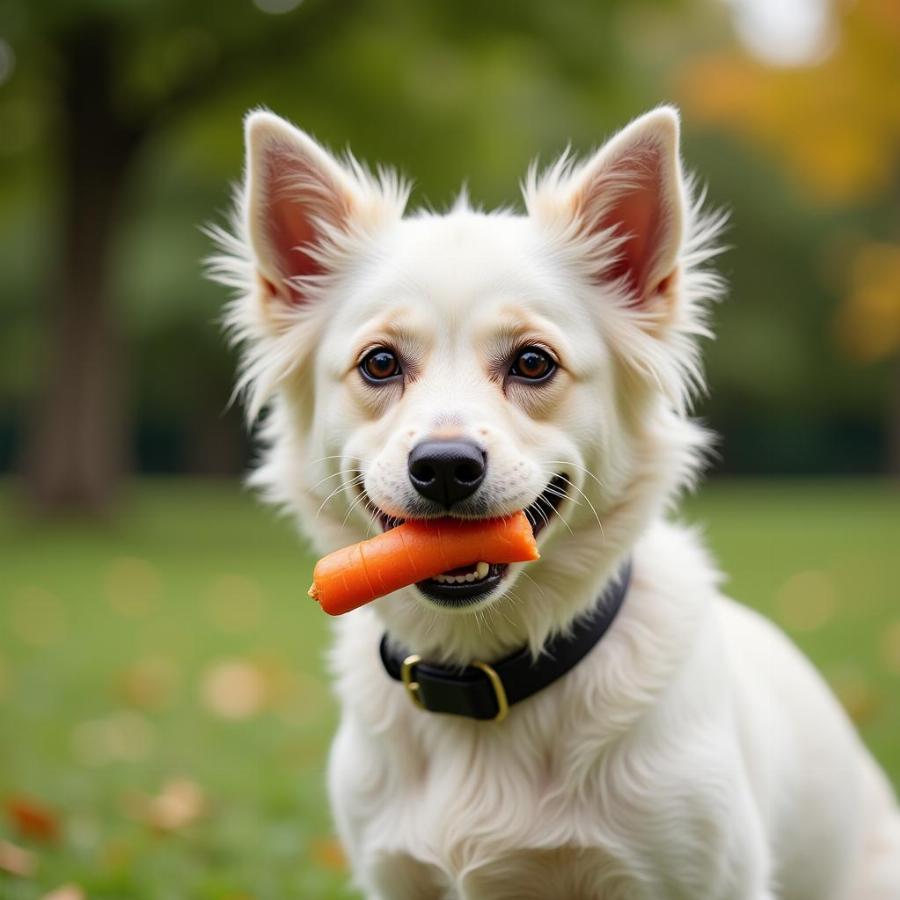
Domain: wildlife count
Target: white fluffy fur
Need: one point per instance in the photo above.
(694, 753)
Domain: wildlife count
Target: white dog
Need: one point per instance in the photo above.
(474, 364)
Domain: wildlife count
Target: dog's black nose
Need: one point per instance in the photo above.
(447, 471)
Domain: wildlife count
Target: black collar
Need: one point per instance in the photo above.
(482, 691)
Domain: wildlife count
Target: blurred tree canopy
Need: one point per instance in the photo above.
(120, 131)
(834, 127)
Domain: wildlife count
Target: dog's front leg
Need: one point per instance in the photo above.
(751, 857)
(346, 767)
(383, 867)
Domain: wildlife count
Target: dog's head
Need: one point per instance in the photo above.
(474, 364)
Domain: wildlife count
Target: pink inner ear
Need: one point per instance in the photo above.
(290, 231)
(296, 195)
(630, 195)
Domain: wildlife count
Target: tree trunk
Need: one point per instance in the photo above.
(75, 455)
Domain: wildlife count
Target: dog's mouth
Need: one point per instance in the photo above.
(469, 584)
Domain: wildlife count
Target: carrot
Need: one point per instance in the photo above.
(413, 551)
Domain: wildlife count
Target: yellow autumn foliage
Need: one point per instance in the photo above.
(867, 323)
(834, 125)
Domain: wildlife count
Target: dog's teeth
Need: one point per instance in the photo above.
(481, 571)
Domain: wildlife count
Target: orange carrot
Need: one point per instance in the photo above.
(413, 551)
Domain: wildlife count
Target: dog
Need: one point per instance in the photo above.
(473, 364)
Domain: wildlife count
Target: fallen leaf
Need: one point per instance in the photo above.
(66, 892)
(149, 683)
(234, 689)
(328, 853)
(180, 803)
(856, 693)
(16, 861)
(31, 819)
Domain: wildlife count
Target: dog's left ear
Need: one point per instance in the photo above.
(627, 205)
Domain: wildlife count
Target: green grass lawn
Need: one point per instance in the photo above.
(162, 692)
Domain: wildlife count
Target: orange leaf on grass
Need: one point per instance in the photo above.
(180, 803)
(328, 854)
(149, 683)
(15, 860)
(857, 694)
(31, 819)
(66, 892)
(234, 689)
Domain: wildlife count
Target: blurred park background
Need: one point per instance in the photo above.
(164, 715)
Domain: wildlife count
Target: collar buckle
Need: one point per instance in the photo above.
(406, 675)
(413, 689)
(499, 690)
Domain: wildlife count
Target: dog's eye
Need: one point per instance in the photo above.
(532, 364)
(380, 364)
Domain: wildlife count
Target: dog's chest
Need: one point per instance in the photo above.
(469, 816)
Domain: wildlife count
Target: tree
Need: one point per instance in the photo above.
(121, 74)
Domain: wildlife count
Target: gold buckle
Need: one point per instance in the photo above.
(499, 691)
(406, 673)
(412, 686)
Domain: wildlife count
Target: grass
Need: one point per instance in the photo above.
(164, 702)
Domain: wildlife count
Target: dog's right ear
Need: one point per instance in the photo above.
(300, 203)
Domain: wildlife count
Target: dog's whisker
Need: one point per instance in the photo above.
(589, 503)
(342, 456)
(579, 466)
(341, 487)
(562, 519)
(326, 478)
(563, 496)
(539, 588)
(361, 499)
(552, 491)
(338, 490)
(506, 616)
(555, 510)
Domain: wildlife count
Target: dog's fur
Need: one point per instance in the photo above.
(694, 753)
